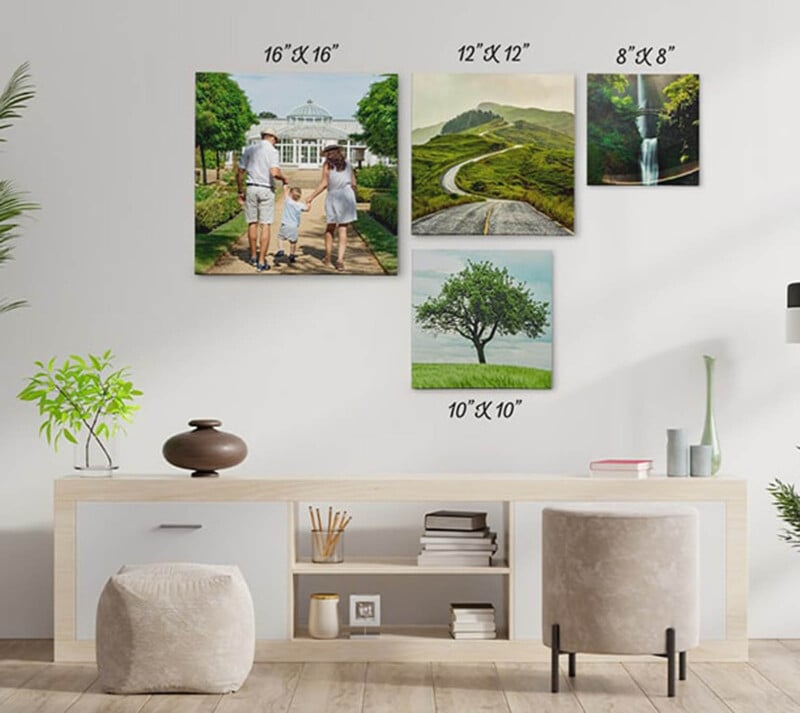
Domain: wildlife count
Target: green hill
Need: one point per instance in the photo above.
(561, 121)
(425, 133)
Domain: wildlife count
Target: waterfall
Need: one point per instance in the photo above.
(648, 151)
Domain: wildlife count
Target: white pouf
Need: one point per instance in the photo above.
(175, 628)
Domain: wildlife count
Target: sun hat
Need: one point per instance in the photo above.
(268, 132)
(331, 147)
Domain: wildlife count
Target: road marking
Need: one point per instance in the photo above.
(489, 212)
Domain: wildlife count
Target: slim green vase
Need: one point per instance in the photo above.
(710, 427)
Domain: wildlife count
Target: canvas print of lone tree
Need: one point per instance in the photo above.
(643, 129)
(482, 319)
(493, 154)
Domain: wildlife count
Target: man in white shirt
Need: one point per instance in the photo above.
(261, 162)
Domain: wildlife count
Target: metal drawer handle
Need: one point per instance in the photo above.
(177, 526)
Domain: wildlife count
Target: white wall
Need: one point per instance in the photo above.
(314, 372)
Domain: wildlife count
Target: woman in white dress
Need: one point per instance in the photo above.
(339, 179)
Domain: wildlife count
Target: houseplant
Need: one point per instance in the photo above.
(787, 501)
(13, 99)
(84, 401)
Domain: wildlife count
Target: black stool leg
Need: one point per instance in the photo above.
(682, 665)
(670, 662)
(572, 665)
(555, 644)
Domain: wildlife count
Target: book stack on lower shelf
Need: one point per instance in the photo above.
(628, 468)
(472, 620)
(456, 538)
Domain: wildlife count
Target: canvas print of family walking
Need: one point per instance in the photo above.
(482, 319)
(295, 174)
(643, 129)
(493, 154)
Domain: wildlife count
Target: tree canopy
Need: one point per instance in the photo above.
(222, 114)
(679, 121)
(377, 114)
(481, 302)
(613, 139)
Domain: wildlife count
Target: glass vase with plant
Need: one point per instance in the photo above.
(84, 401)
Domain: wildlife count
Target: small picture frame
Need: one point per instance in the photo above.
(365, 615)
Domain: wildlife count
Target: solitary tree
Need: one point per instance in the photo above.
(14, 98)
(377, 114)
(481, 302)
(222, 115)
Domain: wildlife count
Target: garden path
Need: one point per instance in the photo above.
(359, 259)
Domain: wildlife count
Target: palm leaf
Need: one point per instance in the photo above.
(15, 97)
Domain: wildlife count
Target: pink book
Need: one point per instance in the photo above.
(621, 464)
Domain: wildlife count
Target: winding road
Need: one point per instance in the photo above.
(492, 216)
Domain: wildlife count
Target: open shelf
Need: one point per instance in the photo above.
(391, 565)
(400, 634)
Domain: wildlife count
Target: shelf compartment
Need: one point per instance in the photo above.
(402, 634)
(391, 565)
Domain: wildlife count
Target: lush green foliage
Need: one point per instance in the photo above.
(377, 176)
(468, 119)
(215, 210)
(377, 114)
(481, 302)
(478, 376)
(83, 394)
(613, 139)
(679, 122)
(541, 172)
(383, 207)
(222, 114)
(429, 161)
(363, 194)
(382, 243)
(13, 205)
(787, 501)
(209, 246)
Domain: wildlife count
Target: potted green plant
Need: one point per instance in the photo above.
(13, 99)
(787, 501)
(84, 401)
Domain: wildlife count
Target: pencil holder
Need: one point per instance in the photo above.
(327, 546)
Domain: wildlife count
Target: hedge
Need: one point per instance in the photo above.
(214, 211)
(383, 207)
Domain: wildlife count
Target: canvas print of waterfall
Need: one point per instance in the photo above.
(482, 319)
(643, 129)
(493, 154)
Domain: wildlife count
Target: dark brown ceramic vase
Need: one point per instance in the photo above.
(204, 449)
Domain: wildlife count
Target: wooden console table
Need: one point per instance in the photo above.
(261, 524)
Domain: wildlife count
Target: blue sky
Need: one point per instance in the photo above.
(432, 267)
(280, 93)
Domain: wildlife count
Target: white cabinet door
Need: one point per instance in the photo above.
(253, 536)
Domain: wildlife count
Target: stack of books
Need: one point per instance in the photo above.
(456, 538)
(472, 620)
(620, 468)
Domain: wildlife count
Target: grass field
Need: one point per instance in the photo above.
(431, 160)
(478, 376)
(209, 246)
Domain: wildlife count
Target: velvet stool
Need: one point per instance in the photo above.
(164, 628)
(620, 582)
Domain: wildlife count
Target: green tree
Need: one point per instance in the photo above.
(267, 115)
(481, 302)
(15, 97)
(377, 114)
(679, 121)
(612, 137)
(222, 115)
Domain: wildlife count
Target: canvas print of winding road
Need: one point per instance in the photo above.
(493, 154)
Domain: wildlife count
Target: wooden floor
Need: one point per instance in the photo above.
(769, 683)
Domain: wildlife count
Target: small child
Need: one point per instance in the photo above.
(290, 222)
